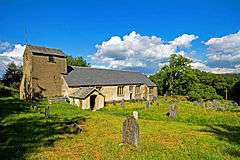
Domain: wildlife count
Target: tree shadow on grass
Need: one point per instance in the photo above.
(22, 135)
(230, 134)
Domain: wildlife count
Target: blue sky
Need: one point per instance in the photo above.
(77, 27)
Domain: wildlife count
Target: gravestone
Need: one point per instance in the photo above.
(201, 103)
(158, 102)
(47, 112)
(35, 108)
(135, 114)
(148, 105)
(114, 102)
(235, 104)
(154, 98)
(165, 96)
(73, 128)
(172, 111)
(195, 103)
(122, 103)
(130, 132)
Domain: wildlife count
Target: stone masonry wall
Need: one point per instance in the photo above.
(47, 76)
(27, 69)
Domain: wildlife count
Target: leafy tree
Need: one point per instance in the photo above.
(175, 77)
(13, 75)
(236, 92)
(77, 61)
(199, 91)
(178, 78)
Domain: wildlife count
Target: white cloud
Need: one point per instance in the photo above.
(136, 51)
(17, 52)
(226, 48)
(4, 46)
(10, 53)
(184, 40)
(217, 70)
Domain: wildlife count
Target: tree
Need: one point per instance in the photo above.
(77, 61)
(236, 92)
(178, 78)
(13, 75)
(199, 91)
(175, 77)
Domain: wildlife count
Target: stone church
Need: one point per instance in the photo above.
(46, 75)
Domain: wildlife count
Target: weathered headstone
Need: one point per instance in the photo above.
(35, 108)
(172, 111)
(201, 103)
(122, 103)
(148, 105)
(47, 112)
(135, 114)
(130, 132)
(195, 103)
(158, 102)
(114, 102)
(235, 104)
(154, 98)
(165, 96)
(73, 128)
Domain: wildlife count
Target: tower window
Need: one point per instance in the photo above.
(51, 58)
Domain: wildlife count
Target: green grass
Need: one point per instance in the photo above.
(196, 133)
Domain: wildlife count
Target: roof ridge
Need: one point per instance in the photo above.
(108, 69)
(30, 45)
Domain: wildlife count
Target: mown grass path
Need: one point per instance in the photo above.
(195, 134)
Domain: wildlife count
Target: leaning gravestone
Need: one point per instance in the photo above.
(47, 112)
(172, 111)
(130, 132)
(122, 103)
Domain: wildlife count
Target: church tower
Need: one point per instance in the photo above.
(42, 72)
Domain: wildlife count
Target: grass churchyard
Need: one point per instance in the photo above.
(197, 131)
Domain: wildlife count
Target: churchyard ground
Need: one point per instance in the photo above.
(196, 133)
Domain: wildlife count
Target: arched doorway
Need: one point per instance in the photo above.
(92, 101)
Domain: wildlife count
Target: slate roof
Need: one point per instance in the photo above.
(86, 76)
(45, 50)
(83, 92)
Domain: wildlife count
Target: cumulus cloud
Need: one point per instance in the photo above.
(4, 46)
(134, 51)
(203, 66)
(224, 53)
(184, 40)
(224, 49)
(10, 53)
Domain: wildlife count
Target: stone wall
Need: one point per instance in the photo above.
(66, 91)
(85, 103)
(27, 70)
(110, 92)
(44, 77)
(47, 76)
